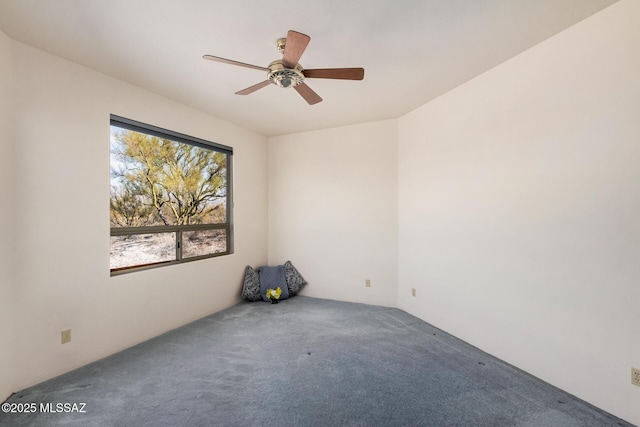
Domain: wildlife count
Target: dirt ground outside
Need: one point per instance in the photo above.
(140, 249)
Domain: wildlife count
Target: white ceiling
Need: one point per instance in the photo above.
(412, 50)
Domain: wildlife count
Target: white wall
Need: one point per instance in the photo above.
(519, 210)
(6, 220)
(61, 189)
(511, 205)
(333, 210)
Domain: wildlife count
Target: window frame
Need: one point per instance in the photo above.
(159, 132)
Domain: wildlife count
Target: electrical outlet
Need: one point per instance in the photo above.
(635, 376)
(367, 283)
(413, 292)
(66, 336)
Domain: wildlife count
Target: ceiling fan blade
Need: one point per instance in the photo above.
(307, 93)
(253, 88)
(294, 48)
(335, 73)
(229, 61)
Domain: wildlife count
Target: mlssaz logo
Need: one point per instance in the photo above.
(63, 407)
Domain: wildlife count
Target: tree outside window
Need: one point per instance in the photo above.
(169, 197)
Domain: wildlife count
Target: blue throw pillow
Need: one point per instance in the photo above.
(272, 278)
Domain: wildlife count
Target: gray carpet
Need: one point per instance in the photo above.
(304, 362)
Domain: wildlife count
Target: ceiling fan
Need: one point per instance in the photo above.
(286, 72)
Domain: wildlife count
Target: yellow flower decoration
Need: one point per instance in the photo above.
(274, 293)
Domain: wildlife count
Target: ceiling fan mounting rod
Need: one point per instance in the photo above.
(280, 44)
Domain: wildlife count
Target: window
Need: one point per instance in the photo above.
(170, 198)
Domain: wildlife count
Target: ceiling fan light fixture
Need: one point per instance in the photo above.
(283, 76)
(284, 73)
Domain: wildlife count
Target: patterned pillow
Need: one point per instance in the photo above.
(295, 281)
(251, 286)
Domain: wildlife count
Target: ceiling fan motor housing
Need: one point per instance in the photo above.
(283, 76)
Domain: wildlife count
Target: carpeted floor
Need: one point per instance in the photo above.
(303, 362)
